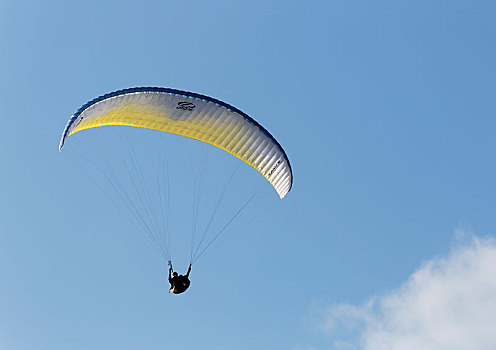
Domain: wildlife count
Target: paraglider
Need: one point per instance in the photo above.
(179, 283)
(193, 116)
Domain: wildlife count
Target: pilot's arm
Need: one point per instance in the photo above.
(170, 274)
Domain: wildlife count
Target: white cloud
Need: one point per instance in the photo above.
(448, 303)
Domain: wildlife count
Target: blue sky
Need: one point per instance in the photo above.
(385, 109)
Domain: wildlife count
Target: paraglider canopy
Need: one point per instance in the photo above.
(191, 115)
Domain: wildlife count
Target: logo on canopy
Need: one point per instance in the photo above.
(274, 167)
(187, 106)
